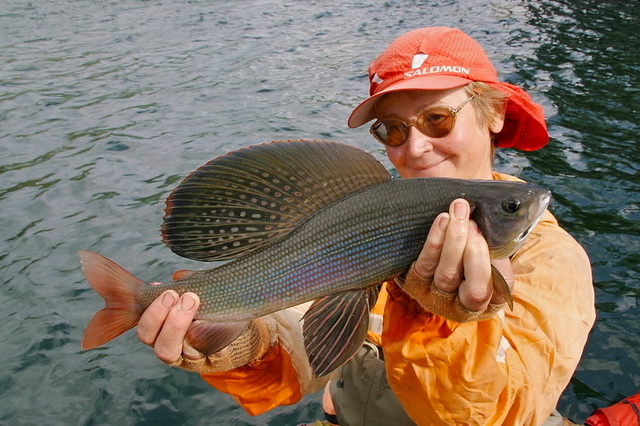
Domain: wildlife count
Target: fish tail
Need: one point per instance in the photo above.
(118, 288)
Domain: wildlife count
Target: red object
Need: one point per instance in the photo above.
(441, 58)
(624, 413)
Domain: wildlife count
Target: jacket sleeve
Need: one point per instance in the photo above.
(281, 377)
(509, 369)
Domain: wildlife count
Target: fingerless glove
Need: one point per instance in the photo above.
(446, 305)
(247, 349)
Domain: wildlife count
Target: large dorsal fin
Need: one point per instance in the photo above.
(238, 202)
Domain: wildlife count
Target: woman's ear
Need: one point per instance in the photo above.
(497, 120)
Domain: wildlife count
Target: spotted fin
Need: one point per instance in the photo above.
(237, 203)
(335, 327)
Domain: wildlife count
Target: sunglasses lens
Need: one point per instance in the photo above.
(390, 132)
(436, 122)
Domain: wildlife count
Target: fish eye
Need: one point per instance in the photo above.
(511, 205)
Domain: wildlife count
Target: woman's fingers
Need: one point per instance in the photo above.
(442, 253)
(154, 316)
(429, 257)
(165, 323)
(449, 272)
(168, 346)
(476, 289)
(456, 257)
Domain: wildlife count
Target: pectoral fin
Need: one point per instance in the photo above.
(501, 287)
(335, 328)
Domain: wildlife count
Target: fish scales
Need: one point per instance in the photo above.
(366, 238)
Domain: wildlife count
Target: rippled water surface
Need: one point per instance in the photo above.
(106, 105)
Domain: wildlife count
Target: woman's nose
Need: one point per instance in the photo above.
(417, 143)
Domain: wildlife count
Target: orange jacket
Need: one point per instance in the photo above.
(510, 369)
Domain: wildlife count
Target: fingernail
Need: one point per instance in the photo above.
(460, 210)
(444, 222)
(187, 303)
(168, 300)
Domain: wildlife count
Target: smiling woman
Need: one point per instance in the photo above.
(454, 147)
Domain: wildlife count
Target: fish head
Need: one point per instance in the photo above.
(506, 212)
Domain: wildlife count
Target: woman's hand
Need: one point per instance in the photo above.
(455, 257)
(165, 322)
(164, 325)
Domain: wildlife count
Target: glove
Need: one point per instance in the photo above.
(248, 349)
(446, 305)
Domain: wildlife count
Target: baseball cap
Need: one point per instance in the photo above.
(439, 58)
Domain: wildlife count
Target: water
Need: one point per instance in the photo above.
(106, 105)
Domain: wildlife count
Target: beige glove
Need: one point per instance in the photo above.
(247, 349)
(446, 305)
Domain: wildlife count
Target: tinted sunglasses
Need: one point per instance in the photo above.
(435, 122)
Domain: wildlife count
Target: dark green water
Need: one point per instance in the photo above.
(106, 105)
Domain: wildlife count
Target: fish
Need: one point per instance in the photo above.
(299, 221)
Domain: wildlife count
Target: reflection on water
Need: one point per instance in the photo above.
(590, 55)
(104, 106)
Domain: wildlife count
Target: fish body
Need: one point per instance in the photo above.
(369, 237)
(286, 252)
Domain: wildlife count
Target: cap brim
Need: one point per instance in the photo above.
(364, 112)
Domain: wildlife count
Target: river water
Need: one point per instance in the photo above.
(105, 105)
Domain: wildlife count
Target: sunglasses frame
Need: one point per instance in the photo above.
(454, 113)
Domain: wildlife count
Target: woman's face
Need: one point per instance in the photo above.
(465, 153)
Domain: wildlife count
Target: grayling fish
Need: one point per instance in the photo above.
(302, 221)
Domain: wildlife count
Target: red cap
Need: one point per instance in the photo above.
(441, 58)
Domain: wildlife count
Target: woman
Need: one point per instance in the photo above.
(452, 353)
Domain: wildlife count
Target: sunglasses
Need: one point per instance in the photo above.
(435, 122)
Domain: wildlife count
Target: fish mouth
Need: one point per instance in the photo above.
(524, 234)
(544, 203)
(519, 240)
(511, 246)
